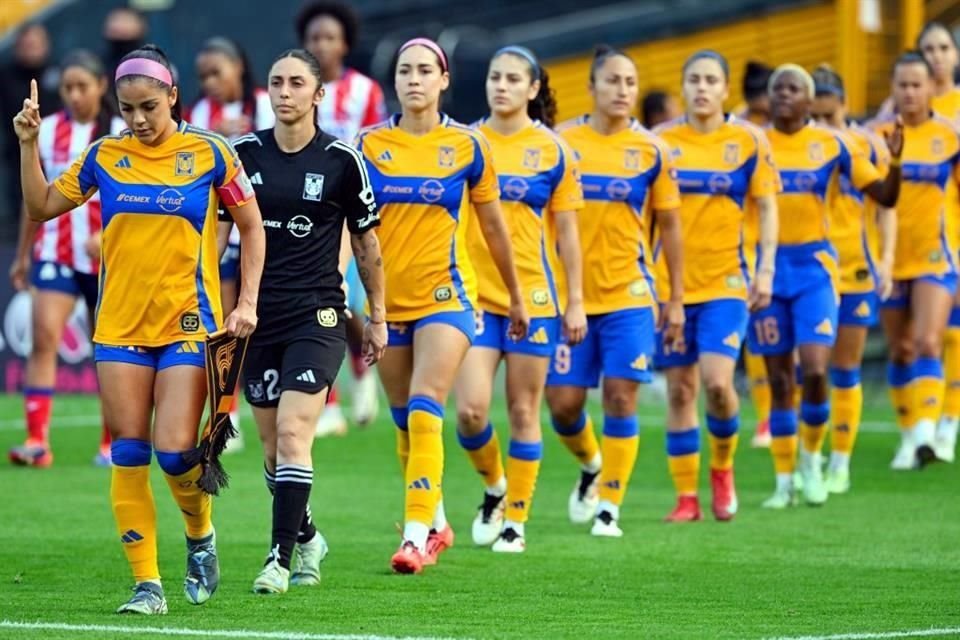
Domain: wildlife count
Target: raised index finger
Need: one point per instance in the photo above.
(34, 93)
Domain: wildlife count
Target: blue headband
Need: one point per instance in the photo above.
(524, 53)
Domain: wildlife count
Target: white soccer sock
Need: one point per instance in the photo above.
(416, 532)
(516, 526)
(594, 465)
(498, 488)
(606, 505)
(439, 517)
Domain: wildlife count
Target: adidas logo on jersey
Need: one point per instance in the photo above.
(732, 341)
(825, 328)
(862, 310)
(385, 156)
(540, 337)
(123, 163)
(307, 376)
(256, 179)
(640, 364)
(421, 483)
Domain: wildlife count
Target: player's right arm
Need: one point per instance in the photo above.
(41, 199)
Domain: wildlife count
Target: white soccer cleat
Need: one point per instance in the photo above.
(306, 568)
(906, 457)
(273, 579)
(811, 470)
(605, 526)
(584, 498)
(489, 520)
(838, 480)
(945, 440)
(366, 399)
(331, 422)
(509, 541)
(782, 498)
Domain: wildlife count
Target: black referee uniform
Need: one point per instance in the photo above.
(304, 198)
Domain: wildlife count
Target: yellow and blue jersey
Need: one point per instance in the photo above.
(625, 176)
(718, 174)
(948, 106)
(538, 177)
(159, 280)
(810, 162)
(926, 228)
(424, 185)
(853, 228)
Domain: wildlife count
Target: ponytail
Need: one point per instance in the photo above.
(544, 106)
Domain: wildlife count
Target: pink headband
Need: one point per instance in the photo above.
(144, 67)
(429, 44)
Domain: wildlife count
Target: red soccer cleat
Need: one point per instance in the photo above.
(761, 437)
(687, 510)
(437, 543)
(407, 559)
(724, 505)
(32, 453)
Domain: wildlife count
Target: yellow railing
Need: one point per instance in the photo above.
(830, 31)
(14, 12)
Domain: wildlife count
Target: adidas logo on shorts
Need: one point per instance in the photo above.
(732, 341)
(825, 328)
(862, 310)
(540, 337)
(307, 376)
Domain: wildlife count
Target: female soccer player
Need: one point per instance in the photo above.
(938, 45)
(756, 110)
(310, 183)
(924, 266)
(721, 162)
(329, 29)
(854, 223)
(159, 184)
(627, 174)
(231, 105)
(540, 195)
(426, 171)
(803, 313)
(66, 251)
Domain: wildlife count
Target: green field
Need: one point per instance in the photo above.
(884, 559)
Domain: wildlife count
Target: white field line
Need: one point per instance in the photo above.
(880, 635)
(195, 633)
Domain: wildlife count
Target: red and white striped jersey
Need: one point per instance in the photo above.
(207, 113)
(62, 239)
(350, 104)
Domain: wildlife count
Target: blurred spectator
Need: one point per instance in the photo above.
(755, 80)
(31, 59)
(124, 30)
(328, 30)
(656, 107)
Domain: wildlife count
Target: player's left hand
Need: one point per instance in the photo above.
(242, 321)
(92, 246)
(894, 139)
(374, 342)
(884, 280)
(519, 321)
(672, 319)
(761, 291)
(574, 323)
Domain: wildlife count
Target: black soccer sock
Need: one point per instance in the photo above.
(289, 508)
(307, 528)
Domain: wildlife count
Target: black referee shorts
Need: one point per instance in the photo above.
(307, 361)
